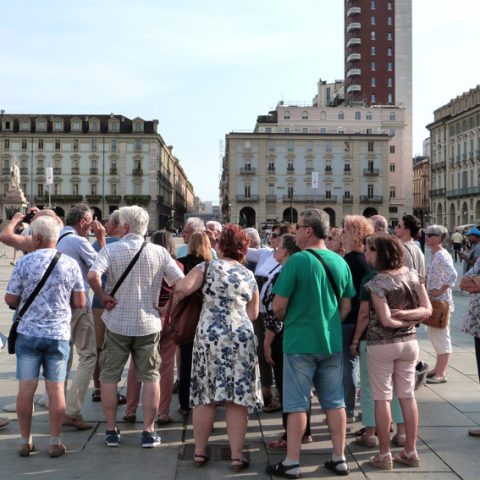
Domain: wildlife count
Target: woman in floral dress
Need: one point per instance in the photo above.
(224, 362)
(441, 278)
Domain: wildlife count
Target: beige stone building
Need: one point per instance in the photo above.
(106, 161)
(421, 183)
(455, 161)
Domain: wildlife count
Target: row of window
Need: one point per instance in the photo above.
(328, 145)
(75, 165)
(373, 66)
(137, 145)
(56, 189)
(75, 125)
(373, 82)
(373, 5)
(373, 36)
(340, 115)
(373, 20)
(464, 125)
(373, 52)
(247, 191)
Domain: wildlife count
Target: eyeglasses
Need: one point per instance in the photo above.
(302, 226)
(432, 235)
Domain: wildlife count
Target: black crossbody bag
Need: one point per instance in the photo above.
(127, 271)
(12, 336)
(328, 273)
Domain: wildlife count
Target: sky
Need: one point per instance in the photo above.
(206, 68)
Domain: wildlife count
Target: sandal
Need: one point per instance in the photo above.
(307, 439)
(333, 467)
(199, 460)
(241, 465)
(411, 459)
(384, 462)
(164, 419)
(130, 418)
(399, 439)
(280, 444)
(365, 440)
(273, 406)
(281, 470)
(121, 399)
(96, 395)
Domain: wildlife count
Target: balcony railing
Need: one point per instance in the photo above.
(347, 199)
(23, 170)
(438, 192)
(93, 171)
(353, 57)
(354, 72)
(248, 199)
(354, 88)
(290, 169)
(75, 171)
(354, 26)
(354, 11)
(113, 198)
(328, 169)
(311, 198)
(248, 171)
(354, 42)
(113, 170)
(5, 171)
(57, 170)
(40, 170)
(463, 192)
(137, 199)
(137, 172)
(93, 198)
(271, 199)
(371, 198)
(371, 172)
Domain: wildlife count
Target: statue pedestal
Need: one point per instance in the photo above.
(14, 201)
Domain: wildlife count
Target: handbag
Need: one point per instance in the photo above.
(12, 336)
(440, 315)
(183, 317)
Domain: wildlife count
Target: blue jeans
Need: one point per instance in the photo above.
(301, 371)
(35, 352)
(350, 369)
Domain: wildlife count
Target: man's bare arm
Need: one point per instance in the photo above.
(12, 239)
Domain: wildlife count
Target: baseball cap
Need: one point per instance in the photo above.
(474, 231)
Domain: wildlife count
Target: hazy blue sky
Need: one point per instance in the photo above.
(205, 68)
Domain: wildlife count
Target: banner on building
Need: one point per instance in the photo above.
(49, 176)
(314, 180)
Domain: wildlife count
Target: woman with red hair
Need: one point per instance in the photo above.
(224, 361)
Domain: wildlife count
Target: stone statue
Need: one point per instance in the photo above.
(15, 175)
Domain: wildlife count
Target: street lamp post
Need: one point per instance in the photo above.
(290, 196)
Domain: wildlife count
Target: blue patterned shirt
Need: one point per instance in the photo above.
(49, 315)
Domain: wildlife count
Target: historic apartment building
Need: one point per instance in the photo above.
(355, 136)
(421, 187)
(106, 161)
(455, 161)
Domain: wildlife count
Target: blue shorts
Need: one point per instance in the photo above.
(34, 352)
(301, 371)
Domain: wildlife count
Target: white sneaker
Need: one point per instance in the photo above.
(12, 407)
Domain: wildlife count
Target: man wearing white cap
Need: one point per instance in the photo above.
(473, 237)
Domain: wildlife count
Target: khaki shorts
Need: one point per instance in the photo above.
(117, 349)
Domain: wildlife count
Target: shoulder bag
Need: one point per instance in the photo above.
(440, 315)
(183, 317)
(12, 336)
(328, 273)
(127, 270)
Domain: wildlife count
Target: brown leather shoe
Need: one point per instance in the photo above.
(24, 450)
(56, 450)
(77, 422)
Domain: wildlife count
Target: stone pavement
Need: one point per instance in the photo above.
(447, 411)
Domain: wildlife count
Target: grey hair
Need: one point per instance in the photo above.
(47, 227)
(165, 239)
(379, 223)
(216, 226)
(253, 236)
(318, 220)
(115, 217)
(77, 212)
(196, 224)
(136, 218)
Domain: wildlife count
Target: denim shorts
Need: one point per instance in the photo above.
(301, 371)
(35, 352)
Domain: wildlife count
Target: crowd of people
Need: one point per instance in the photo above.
(311, 309)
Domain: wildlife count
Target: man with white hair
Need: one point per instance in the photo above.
(193, 224)
(131, 317)
(44, 329)
(214, 229)
(379, 223)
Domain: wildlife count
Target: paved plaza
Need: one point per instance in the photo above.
(447, 411)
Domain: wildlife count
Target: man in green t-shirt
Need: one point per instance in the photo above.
(313, 308)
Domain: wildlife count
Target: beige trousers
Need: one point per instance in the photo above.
(83, 339)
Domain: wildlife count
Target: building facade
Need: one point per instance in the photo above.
(106, 161)
(421, 187)
(455, 161)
